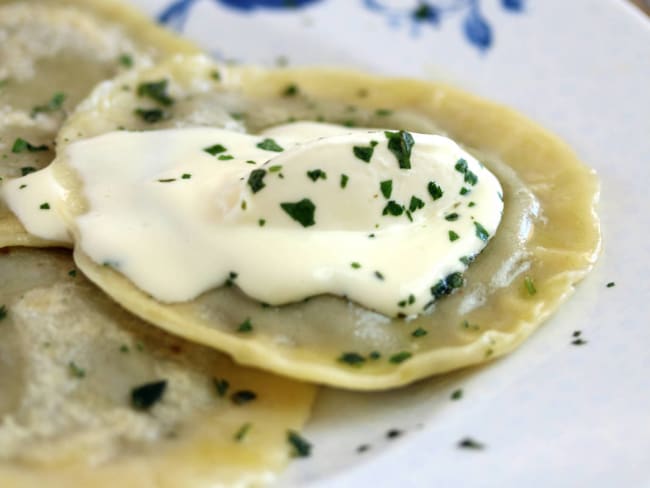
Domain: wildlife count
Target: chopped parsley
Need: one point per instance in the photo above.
(364, 153)
(301, 211)
(21, 145)
(151, 116)
(344, 180)
(383, 112)
(415, 204)
(611, 284)
(400, 357)
(352, 358)
(125, 60)
(419, 332)
(25, 170)
(453, 236)
(434, 190)
(144, 397)
(579, 342)
(215, 75)
(186, 176)
(447, 285)
(3, 312)
(386, 188)
(457, 394)
(275, 168)
(379, 275)
(530, 286)
(469, 443)
(452, 217)
(393, 434)
(363, 448)
(291, 91)
(225, 157)
(481, 233)
(461, 166)
(72, 273)
(124, 348)
(166, 180)
(261, 222)
(400, 144)
(355, 265)
(75, 370)
(256, 180)
(243, 397)
(242, 431)
(464, 191)
(301, 447)
(374, 355)
(156, 90)
(393, 208)
(55, 103)
(317, 174)
(221, 386)
(215, 149)
(466, 260)
(245, 326)
(44, 206)
(270, 145)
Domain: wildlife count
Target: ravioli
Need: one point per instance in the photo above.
(548, 239)
(52, 54)
(90, 393)
(70, 360)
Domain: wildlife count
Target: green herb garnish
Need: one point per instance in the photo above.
(301, 447)
(55, 103)
(452, 217)
(243, 397)
(21, 145)
(3, 312)
(355, 265)
(44, 206)
(143, 397)
(393, 208)
(344, 180)
(72, 273)
(352, 358)
(242, 431)
(156, 90)
(530, 286)
(453, 236)
(225, 157)
(215, 149)
(317, 174)
(481, 233)
(400, 357)
(464, 191)
(291, 91)
(221, 386)
(611, 284)
(386, 188)
(245, 326)
(364, 153)
(270, 145)
(301, 211)
(419, 332)
(75, 370)
(457, 394)
(25, 170)
(151, 116)
(469, 443)
(256, 180)
(434, 190)
(383, 112)
(401, 144)
(125, 60)
(415, 204)
(379, 275)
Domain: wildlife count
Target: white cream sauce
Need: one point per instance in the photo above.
(285, 215)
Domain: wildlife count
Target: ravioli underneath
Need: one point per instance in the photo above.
(548, 238)
(69, 361)
(51, 55)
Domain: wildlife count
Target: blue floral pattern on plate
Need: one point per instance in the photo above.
(476, 28)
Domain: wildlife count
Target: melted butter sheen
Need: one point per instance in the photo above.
(301, 210)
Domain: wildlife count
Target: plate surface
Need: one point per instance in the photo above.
(552, 413)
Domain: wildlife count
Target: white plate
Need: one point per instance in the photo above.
(550, 414)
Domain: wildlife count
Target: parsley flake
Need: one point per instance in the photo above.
(215, 149)
(453, 236)
(301, 211)
(401, 144)
(221, 386)
(355, 265)
(344, 180)
(383, 112)
(225, 157)
(156, 90)
(25, 170)
(379, 275)
(386, 188)
(301, 447)
(125, 60)
(481, 233)
(55, 103)
(457, 394)
(611, 284)
(72, 273)
(261, 222)
(317, 174)
(44, 206)
(245, 326)
(21, 145)
(434, 190)
(143, 397)
(3, 312)
(352, 359)
(393, 208)
(469, 443)
(242, 431)
(256, 180)
(364, 153)
(530, 286)
(400, 357)
(452, 217)
(243, 397)
(151, 116)
(75, 370)
(415, 204)
(270, 145)
(291, 91)
(419, 332)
